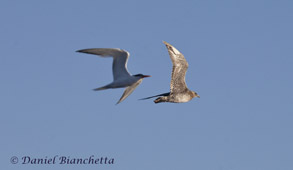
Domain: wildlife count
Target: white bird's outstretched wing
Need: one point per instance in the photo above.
(120, 58)
(129, 90)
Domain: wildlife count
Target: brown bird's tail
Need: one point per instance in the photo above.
(163, 94)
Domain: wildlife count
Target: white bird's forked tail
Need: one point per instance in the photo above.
(102, 88)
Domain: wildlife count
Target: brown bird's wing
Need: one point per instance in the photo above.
(180, 66)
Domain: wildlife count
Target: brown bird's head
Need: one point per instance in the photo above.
(194, 94)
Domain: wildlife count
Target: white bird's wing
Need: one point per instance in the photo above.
(120, 58)
(129, 90)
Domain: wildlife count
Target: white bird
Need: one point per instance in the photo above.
(121, 76)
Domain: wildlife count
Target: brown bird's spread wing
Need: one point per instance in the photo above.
(180, 66)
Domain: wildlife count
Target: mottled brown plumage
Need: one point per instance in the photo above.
(179, 93)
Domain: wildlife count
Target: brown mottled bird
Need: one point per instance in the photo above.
(179, 93)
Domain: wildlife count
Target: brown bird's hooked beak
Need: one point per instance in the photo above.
(146, 76)
(198, 96)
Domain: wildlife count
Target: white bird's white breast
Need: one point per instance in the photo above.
(125, 81)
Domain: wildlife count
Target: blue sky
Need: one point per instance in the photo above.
(240, 63)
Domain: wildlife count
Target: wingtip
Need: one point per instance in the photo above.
(83, 51)
(166, 43)
(118, 102)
